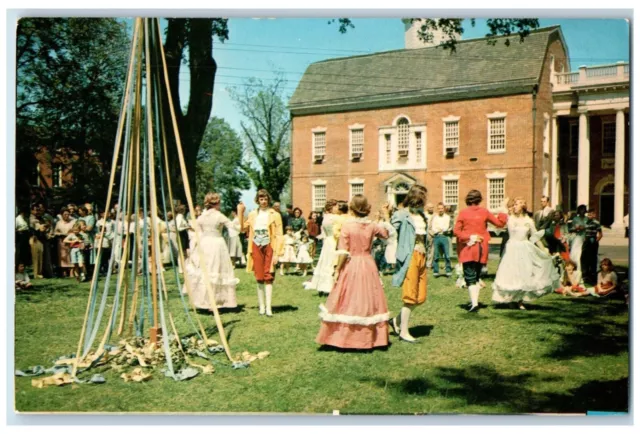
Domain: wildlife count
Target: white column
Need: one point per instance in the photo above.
(583, 160)
(618, 204)
(554, 162)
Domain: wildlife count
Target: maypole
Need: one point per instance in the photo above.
(140, 153)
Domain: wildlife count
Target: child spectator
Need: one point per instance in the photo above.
(607, 279)
(22, 278)
(289, 255)
(304, 258)
(571, 281)
(75, 240)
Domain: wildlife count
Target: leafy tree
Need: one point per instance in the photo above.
(70, 75)
(267, 133)
(189, 42)
(218, 166)
(452, 27)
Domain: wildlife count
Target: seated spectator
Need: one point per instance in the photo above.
(571, 281)
(22, 278)
(607, 279)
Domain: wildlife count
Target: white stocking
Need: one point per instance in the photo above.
(261, 297)
(474, 294)
(269, 291)
(405, 314)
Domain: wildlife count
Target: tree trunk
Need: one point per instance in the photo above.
(197, 34)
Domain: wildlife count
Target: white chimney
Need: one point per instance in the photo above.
(412, 40)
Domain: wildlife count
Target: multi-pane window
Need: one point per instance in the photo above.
(357, 141)
(450, 192)
(608, 138)
(387, 141)
(573, 138)
(496, 193)
(418, 135)
(497, 136)
(403, 138)
(357, 188)
(319, 196)
(451, 135)
(319, 143)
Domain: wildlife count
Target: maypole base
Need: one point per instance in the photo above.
(155, 333)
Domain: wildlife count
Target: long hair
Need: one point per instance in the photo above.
(416, 198)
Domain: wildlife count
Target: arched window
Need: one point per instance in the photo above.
(608, 189)
(403, 137)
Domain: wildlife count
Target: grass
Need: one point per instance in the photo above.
(561, 355)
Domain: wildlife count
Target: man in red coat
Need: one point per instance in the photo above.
(473, 241)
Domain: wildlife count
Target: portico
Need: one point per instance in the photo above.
(591, 104)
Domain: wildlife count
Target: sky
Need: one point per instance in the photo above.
(259, 47)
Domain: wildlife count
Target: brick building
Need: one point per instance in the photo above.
(483, 117)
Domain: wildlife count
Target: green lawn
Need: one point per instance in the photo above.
(561, 355)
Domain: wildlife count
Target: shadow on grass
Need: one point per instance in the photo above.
(330, 348)
(420, 331)
(590, 328)
(42, 292)
(284, 308)
(482, 385)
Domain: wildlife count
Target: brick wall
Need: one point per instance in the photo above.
(472, 164)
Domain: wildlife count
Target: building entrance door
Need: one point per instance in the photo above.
(605, 213)
(400, 198)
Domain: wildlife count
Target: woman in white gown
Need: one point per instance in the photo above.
(215, 259)
(322, 280)
(527, 270)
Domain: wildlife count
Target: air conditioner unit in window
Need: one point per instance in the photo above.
(403, 153)
(356, 155)
(450, 152)
(318, 157)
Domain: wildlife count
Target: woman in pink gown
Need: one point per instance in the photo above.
(356, 314)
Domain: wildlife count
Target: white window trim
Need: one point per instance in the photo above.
(37, 184)
(496, 115)
(450, 118)
(313, 191)
(351, 128)
(352, 182)
(400, 116)
(313, 140)
(450, 177)
(495, 175)
(413, 146)
(546, 135)
(610, 154)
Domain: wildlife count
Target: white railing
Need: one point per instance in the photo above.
(602, 71)
(567, 77)
(592, 75)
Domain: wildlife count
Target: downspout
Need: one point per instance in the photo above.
(533, 152)
(291, 158)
